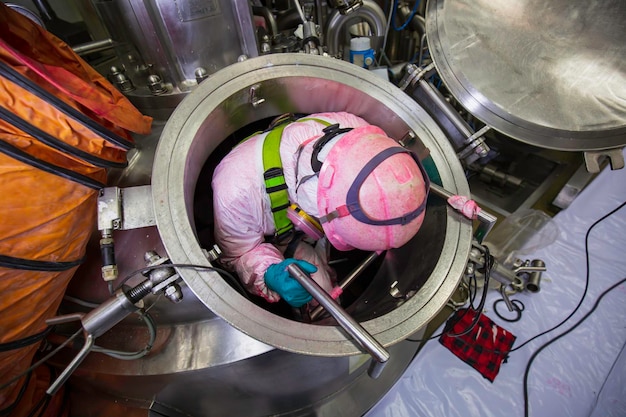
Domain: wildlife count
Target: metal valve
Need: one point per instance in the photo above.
(125, 301)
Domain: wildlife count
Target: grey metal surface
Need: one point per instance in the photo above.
(108, 314)
(174, 38)
(551, 74)
(348, 280)
(306, 84)
(275, 383)
(137, 207)
(200, 364)
(336, 32)
(573, 187)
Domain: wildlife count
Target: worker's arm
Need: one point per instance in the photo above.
(243, 217)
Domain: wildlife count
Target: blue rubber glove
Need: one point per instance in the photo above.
(278, 279)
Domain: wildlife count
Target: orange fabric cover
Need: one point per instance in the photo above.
(43, 216)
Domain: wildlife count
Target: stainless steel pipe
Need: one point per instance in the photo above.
(351, 326)
(348, 280)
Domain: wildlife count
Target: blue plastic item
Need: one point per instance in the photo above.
(278, 279)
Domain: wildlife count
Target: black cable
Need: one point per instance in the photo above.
(582, 298)
(489, 260)
(47, 398)
(528, 366)
(124, 355)
(56, 143)
(42, 360)
(570, 315)
(542, 347)
(42, 402)
(8, 409)
(148, 268)
(37, 265)
(487, 272)
(26, 158)
(472, 295)
(518, 307)
(25, 341)
(142, 313)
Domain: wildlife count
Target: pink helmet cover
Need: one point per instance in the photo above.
(371, 192)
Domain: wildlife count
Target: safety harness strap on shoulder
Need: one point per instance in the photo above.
(275, 185)
(274, 178)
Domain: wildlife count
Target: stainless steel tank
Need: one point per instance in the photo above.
(181, 42)
(221, 354)
(548, 74)
(270, 86)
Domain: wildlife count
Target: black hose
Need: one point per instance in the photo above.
(288, 20)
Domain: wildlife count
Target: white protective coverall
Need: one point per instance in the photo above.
(242, 208)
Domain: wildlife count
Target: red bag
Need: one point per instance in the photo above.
(484, 347)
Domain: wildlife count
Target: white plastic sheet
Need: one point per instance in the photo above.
(583, 373)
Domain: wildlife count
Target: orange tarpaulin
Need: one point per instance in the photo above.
(52, 163)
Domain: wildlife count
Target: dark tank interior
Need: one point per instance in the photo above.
(369, 295)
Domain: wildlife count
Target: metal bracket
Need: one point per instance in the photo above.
(476, 146)
(125, 208)
(254, 99)
(593, 159)
(414, 74)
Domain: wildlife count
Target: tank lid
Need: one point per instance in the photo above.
(551, 74)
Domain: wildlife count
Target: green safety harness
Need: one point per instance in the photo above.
(273, 175)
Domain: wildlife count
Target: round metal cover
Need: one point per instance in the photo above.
(548, 73)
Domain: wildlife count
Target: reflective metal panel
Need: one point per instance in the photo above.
(173, 40)
(548, 73)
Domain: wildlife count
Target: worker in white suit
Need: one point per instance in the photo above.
(282, 195)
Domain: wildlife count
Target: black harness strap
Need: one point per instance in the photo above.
(330, 132)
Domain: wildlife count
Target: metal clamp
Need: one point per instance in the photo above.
(124, 302)
(594, 159)
(414, 74)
